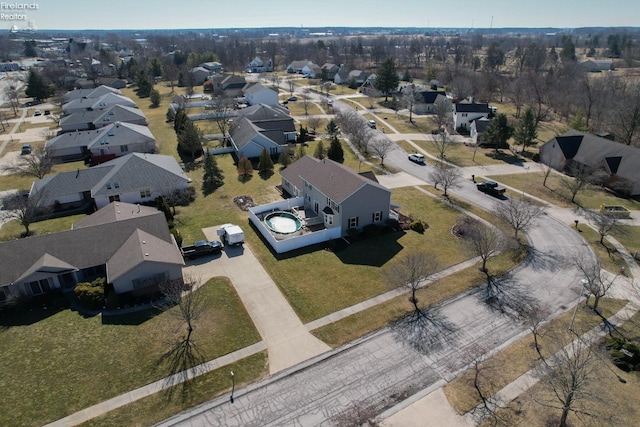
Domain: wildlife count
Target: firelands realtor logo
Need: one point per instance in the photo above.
(16, 11)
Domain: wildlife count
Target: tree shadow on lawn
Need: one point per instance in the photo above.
(134, 318)
(505, 157)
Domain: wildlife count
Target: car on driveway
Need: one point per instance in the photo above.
(372, 124)
(416, 158)
(292, 98)
(37, 113)
(26, 149)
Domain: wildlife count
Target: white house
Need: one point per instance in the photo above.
(464, 113)
(260, 94)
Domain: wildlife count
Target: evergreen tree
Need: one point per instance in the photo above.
(302, 135)
(498, 132)
(30, 48)
(406, 77)
(265, 165)
(179, 121)
(145, 86)
(154, 96)
(36, 87)
(568, 49)
(190, 139)
(285, 158)
(578, 121)
(213, 177)
(319, 152)
(154, 67)
(387, 78)
(526, 132)
(332, 128)
(335, 151)
(245, 169)
(301, 151)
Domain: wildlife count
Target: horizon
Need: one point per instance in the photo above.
(144, 15)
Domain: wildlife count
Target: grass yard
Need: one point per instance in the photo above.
(611, 401)
(463, 155)
(58, 363)
(628, 236)
(160, 406)
(589, 198)
(355, 274)
(516, 359)
(296, 108)
(610, 259)
(12, 229)
(364, 322)
(421, 124)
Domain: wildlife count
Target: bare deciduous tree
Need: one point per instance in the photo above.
(443, 111)
(381, 146)
(519, 214)
(26, 208)
(603, 223)
(223, 108)
(410, 99)
(447, 176)
(441, 143)
(13, 95)
(354, 126)
(313, 122)
(484, 241)
(597, 281)
(576, 183)
(37, 164)
(546, 172)
(570, 374)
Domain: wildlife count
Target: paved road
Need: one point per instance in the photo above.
(381, 369)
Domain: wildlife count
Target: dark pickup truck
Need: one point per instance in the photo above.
(491, 188)
(201, 248)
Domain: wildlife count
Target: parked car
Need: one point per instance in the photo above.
(47, 112)
(491, 188)
(26, 149)
(372, 124)
(37, 113)
(201, 248)
(292, 98)
(416, 158)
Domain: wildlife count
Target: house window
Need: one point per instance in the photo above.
(353, 222)
(115, 198)
(145, 193)
(116, 185)
(145, 282)
(315, 206)
(108, 186)
(377, 216)
(38, 287)
(328, 219)
(124, 148)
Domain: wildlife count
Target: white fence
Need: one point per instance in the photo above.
(291, 243)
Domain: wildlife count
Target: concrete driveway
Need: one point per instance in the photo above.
(288, 341)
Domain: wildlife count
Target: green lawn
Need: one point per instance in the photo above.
(66, 362)
(158, 407)
(355, 274)
(554, 192)
(610, 258)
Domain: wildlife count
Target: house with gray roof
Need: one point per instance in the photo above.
(329, 199)
(101, 103)
(596, 65)
(259, 66)
(100, 145)
(588, 153)
(213, 67)
(343, 197)
(95, 119)
(262, 127)
(199, 75)
(90, 93)
(129, 245)
(297, 66)
(133, 178)
(261, 94)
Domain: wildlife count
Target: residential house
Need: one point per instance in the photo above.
(312, 70)
(369, 86)
(596, 65)
(229, 85)
(330, 201)
(426, 100)
(477, 129)
(259, 66)
(330, 70)
(101, 103)
(260, 94)
(466, 112)
(213, 67)
(129, 245)
(95, 119)
(133, 178)
(358, 76)
(106, 81)
(342, 76)
(90, 93)
(297, 66)
(262, 127)
(583, 152)
(114, 140)
(199, 75)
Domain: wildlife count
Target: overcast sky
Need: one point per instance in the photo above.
(172, 14)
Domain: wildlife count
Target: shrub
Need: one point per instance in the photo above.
(177, 236)
(91, 294)
(418, 226)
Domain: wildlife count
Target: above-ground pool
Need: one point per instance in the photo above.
(283, 223)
